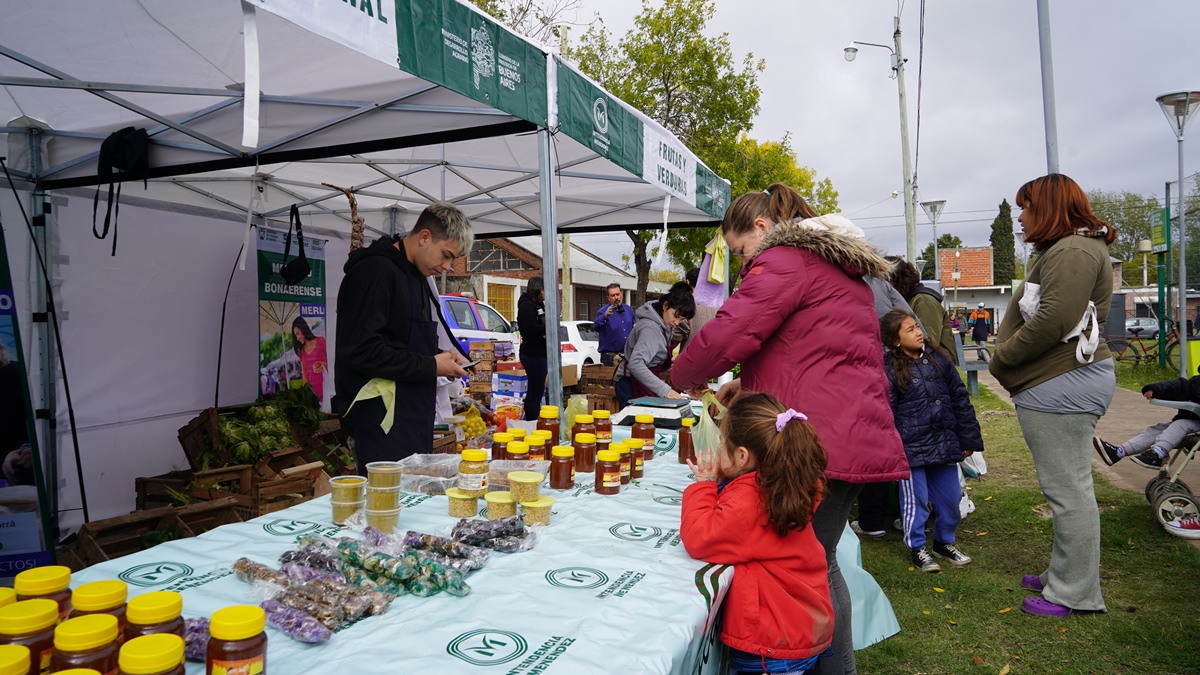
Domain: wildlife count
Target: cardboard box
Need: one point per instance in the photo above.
(481, 388)
(513, 382)
(598, 375)
(570, 375)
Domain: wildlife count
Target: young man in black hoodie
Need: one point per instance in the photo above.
(388, 337)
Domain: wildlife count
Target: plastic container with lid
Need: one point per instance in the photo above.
(603, 425)
(537, 447)
(548, 420)
(500, 505)
(88, 641)
(31, 623)
(385, 521)
(537, 512)
(382, 498)
(154, 613)
(562, 467)
(637, 456)
(625, 457)
(473, 473)
(584, 424)
(608, 472)
(544, 434)
(384, 474)
(687, 449)
(237, 643)
(585, 452)
(102, 597)
(7, 596)
(643, 427)
(518, 451)
(462, 505)
(518, 433)
(49, 582)
(342, 511)
(500, 441)
(14, 659)
(525, 485)
(347, 489)
(159, 654)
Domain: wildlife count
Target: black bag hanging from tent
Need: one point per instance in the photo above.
(297, 270)
(127, 151)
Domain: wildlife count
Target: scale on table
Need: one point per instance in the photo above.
(667, 412)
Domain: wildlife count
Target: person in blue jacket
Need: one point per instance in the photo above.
(937, 423)
(614, 322)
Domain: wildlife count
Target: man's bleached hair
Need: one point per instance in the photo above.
(446, 221)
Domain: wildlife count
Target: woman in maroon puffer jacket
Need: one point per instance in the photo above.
(803, 326)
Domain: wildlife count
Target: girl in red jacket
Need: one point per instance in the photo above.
(751, 507)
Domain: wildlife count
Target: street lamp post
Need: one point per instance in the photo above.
(1179, 107)
(956, 276)
(933, 209)
(910, 207)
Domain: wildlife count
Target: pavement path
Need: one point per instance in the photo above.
(1128, 416)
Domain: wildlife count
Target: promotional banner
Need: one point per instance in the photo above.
(291, 318)
(23, 505)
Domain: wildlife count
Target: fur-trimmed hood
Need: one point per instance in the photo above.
(854, 255)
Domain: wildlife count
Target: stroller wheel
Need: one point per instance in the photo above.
(1152, 485)
(1166, 487)
(1175, 507)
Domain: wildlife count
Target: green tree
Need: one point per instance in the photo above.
(1130, 213)
(945, 241)
(1003, 245)
(688, 82)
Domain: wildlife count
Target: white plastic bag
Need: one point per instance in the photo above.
(707, 433)
(1087, 330)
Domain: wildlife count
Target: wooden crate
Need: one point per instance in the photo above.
(155, 491)
(255, 496)
(598, 379)
(204, 516)
(71, 557)
(445, 444)
(602, 402)
(202, 433)
(273, 464)
(328, 444)
(103, 540)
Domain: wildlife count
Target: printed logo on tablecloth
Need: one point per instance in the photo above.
(631, 532)
(155, 574)
(577, 577)
(664, 443)
(290, 528)
(487, 647)
(670, 500)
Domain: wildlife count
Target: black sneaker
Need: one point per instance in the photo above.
(1148, 459)
(1108, 452)
(950, 552)
(923, 561)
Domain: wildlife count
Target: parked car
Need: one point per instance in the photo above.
(470, 319)
(581, 338)
(1148, 326)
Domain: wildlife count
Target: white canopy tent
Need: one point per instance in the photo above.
(402, 101)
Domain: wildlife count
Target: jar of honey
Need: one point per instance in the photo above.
(643, 427)
(518, 451)
(687, 450)
(237, 643)
(584, 424)
(154, 613)
(49, 582)
(14, 660)
(102, 597)
(625, 457)
(86, 642)
(548, 420)
(562, 467)
(159, 654)
(500, 441)
(30, 623)
(550, 441)
(637, 457)
(537, 447)
(518, 433)
(603, 425)
(7, 596)
(585, 452)
(608, 472)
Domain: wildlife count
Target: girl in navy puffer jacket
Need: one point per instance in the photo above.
(937, 423)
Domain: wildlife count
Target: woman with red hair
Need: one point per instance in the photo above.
(1061, 383)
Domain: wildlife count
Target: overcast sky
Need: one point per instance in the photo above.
(981, 133)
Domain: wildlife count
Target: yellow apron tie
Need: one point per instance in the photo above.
(716, 266)
(384, 389)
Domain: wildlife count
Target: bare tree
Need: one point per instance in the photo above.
(541, 20)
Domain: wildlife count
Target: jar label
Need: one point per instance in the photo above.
(625, 468)
(254, 666)
(472, 481)
(46, 654)
(604, 436)
(611, 479)
(639, 464)
(572, 474)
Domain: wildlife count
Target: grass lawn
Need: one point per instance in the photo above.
(969, 620)
(1134, 377)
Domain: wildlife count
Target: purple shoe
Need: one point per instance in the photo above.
(1032, 582)
(1043, 607)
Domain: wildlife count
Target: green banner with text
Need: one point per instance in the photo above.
(599, 121)
(291, 318)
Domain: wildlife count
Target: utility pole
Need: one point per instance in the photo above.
(1048, 115)
(910, 207)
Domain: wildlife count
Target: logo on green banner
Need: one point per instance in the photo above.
(483, 54)
(487, 647)
(155, 574)
(631, 532)
(290, 528)
(600, 115)
(577, 577)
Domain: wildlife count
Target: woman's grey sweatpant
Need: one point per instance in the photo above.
(828, 523)
(1062, 454)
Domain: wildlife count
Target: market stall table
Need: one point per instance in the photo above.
(608, 588)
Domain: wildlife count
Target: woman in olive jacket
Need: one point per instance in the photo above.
(1058, 398)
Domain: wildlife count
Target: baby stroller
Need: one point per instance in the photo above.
(1172, 500)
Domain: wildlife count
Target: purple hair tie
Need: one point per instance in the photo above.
(786, 416)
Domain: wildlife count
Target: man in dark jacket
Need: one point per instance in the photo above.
(388, 353)
(531, 321)
(1151, 447)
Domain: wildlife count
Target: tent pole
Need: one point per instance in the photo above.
(554, 385)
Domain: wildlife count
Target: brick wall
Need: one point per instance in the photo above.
(974, 266)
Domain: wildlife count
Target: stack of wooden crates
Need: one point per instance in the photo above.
(597, 383)
(483, 351)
